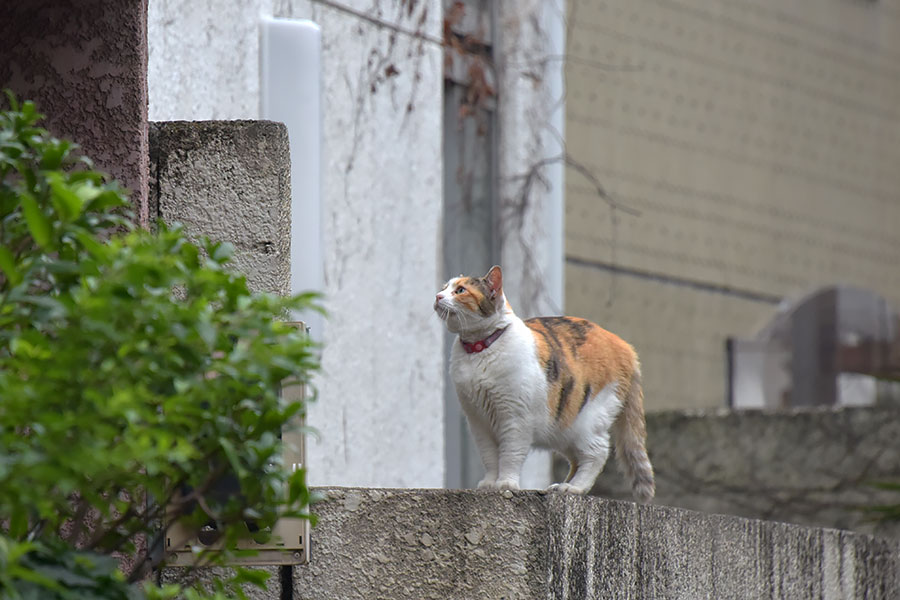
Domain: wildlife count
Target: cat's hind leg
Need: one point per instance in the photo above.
(589, 439)
(573, 467)
(589, 459)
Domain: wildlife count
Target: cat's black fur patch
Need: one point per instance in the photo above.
(552, 370)
(576, 328)
(584, 399)
(548, 333)
(564, 393)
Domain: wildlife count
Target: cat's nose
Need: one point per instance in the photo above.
(438, 298)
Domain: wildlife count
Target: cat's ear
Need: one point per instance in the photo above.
(494, 279)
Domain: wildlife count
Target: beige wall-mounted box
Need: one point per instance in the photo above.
(289, 542)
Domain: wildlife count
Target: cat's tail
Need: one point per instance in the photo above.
(630, 434)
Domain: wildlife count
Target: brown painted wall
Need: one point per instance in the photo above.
(84, 62)
(760, 142)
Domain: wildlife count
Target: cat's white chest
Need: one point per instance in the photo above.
(504, 378)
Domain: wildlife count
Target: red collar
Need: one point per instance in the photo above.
(482, 344)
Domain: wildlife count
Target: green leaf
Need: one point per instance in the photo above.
(8, 265)
(38, 224)
(91, 244)
(106, 200)
(222, 252)
(11, 99)
(53, 154)
(255, 577)
(87, 191)
(232, 455)
(66, 202)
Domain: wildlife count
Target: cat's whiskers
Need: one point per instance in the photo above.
(464, 319)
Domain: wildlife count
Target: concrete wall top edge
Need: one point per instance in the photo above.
(482, 544)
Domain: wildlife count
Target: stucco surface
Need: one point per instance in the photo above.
(204, 58)
(228, 181)
(380, 410)
(813, 467)
(471, 544)
(272, 590)
(84, 64)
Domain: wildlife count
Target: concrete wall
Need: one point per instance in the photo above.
(465, 544)
(84, 65)
(380, 395)
(812, 467)
(758, 140)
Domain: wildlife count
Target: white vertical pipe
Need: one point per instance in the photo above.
(555, 27)
(290, 92)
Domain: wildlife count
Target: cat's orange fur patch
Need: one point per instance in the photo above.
(579, 359)
(475, 297)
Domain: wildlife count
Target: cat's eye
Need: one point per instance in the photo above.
(459, 290)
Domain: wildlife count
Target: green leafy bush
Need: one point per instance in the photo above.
(136, 373)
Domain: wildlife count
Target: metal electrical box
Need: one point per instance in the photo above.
(289, 542)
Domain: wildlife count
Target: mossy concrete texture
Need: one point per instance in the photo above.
(228, 181)
(446, 544)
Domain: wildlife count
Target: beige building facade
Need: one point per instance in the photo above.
(754, 148)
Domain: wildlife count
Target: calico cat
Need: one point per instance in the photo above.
(559, 383)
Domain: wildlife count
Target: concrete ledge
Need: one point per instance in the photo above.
(386, 543)
(229, 181)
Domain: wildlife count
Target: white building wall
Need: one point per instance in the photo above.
(379, 411)
(204, 59)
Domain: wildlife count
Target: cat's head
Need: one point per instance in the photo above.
(471, 303)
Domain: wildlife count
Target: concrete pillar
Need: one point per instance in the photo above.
(84, 62)
(228, 181)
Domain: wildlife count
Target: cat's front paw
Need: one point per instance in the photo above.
(487, 483)
(566, 488)
(506, 484)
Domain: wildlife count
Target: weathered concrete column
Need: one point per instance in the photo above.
(84, 63)
(228, 181)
